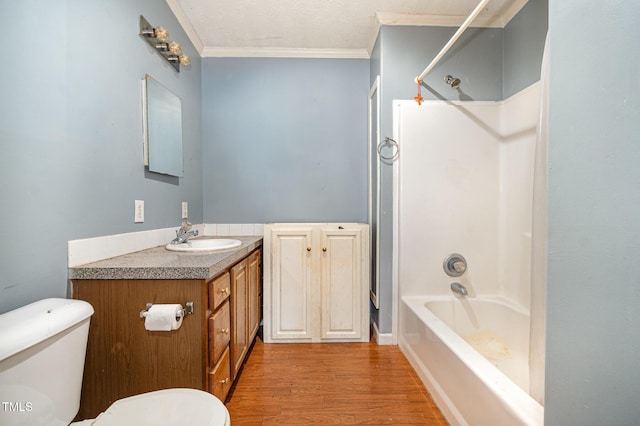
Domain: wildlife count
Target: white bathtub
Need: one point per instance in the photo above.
(469, 388)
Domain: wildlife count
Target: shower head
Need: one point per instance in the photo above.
(452, 81)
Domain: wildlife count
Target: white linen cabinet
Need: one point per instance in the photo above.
(316, 282)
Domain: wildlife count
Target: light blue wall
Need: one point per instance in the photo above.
(476, 59)
(285, 140)
(593, 290)
(524, 39)
(71, 135)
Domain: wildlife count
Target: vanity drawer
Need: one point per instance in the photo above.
(220, 377)
(219, 290)
(219, 332)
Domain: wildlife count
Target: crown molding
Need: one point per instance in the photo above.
(512, 10)
(386, 18)
(275, 52)
(186, 25)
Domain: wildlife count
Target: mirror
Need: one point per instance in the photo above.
(162, 111)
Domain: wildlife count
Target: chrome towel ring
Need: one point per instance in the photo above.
(394, 147)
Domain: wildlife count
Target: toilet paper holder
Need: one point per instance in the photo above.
(187, 310)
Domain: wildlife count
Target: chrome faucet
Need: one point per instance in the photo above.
(459, 288)
(184, 233)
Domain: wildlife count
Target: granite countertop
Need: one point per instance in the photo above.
(160, 263)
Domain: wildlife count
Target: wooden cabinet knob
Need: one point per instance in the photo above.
(224, 290)
(224, 381)
(224, 330)
(324, 249)
(308, 248)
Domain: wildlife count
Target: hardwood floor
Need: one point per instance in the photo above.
(330, 384)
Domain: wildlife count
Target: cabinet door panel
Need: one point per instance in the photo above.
(253, 304)
(291, 268)
(239, 338)
(341, 284)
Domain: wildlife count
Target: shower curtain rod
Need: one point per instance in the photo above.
(450, 43)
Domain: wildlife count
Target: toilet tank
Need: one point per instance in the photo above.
(42, 351)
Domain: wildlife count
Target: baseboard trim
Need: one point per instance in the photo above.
(381, 338)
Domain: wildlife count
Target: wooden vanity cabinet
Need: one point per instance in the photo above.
(123, 358)
(206, 352)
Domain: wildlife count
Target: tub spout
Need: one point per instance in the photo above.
(459, 288)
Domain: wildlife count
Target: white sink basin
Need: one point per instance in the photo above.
(205, 244)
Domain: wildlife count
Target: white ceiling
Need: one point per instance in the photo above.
(320, 28)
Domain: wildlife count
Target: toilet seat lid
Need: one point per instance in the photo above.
(166, 407)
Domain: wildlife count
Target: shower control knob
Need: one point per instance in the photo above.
(454, 265)
(459, 267)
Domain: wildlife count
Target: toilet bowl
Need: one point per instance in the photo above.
(164, 407)
(42, 351)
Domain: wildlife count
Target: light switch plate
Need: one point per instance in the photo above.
(138, 216)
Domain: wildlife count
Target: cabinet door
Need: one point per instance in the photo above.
(253, 304)
(341, 287)
(290, 284)
(239, 338)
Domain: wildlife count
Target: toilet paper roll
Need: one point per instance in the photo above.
(163, 317)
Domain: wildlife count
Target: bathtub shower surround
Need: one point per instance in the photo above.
(464, 185)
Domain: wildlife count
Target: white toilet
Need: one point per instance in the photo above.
(42, 351)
